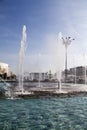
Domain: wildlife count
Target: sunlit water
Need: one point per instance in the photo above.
(44, 114)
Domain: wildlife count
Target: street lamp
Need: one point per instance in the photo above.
(67, 41)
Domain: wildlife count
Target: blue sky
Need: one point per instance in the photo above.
(44, 19)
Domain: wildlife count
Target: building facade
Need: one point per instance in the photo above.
(77, 74)
(4, 68)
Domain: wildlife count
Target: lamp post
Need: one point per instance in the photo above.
(67, 41)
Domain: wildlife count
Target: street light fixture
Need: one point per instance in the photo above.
(67, 41)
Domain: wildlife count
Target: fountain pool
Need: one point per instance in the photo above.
(44, 114)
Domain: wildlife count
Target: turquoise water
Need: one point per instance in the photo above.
(44, 114)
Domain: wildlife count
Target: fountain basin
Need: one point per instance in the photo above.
(46, 90)
(39, 94)
(53, 92)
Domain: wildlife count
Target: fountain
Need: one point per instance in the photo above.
(19, 91)
(40, 75)
(5, 83)
(60, 61)
(39, 81)
(75, 75)
(6, 88)
(21, 59)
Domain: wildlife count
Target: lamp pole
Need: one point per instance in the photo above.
(67, 41)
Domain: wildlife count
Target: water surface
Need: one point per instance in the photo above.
(44, 114)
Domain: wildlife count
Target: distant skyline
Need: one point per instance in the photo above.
(44, 20)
